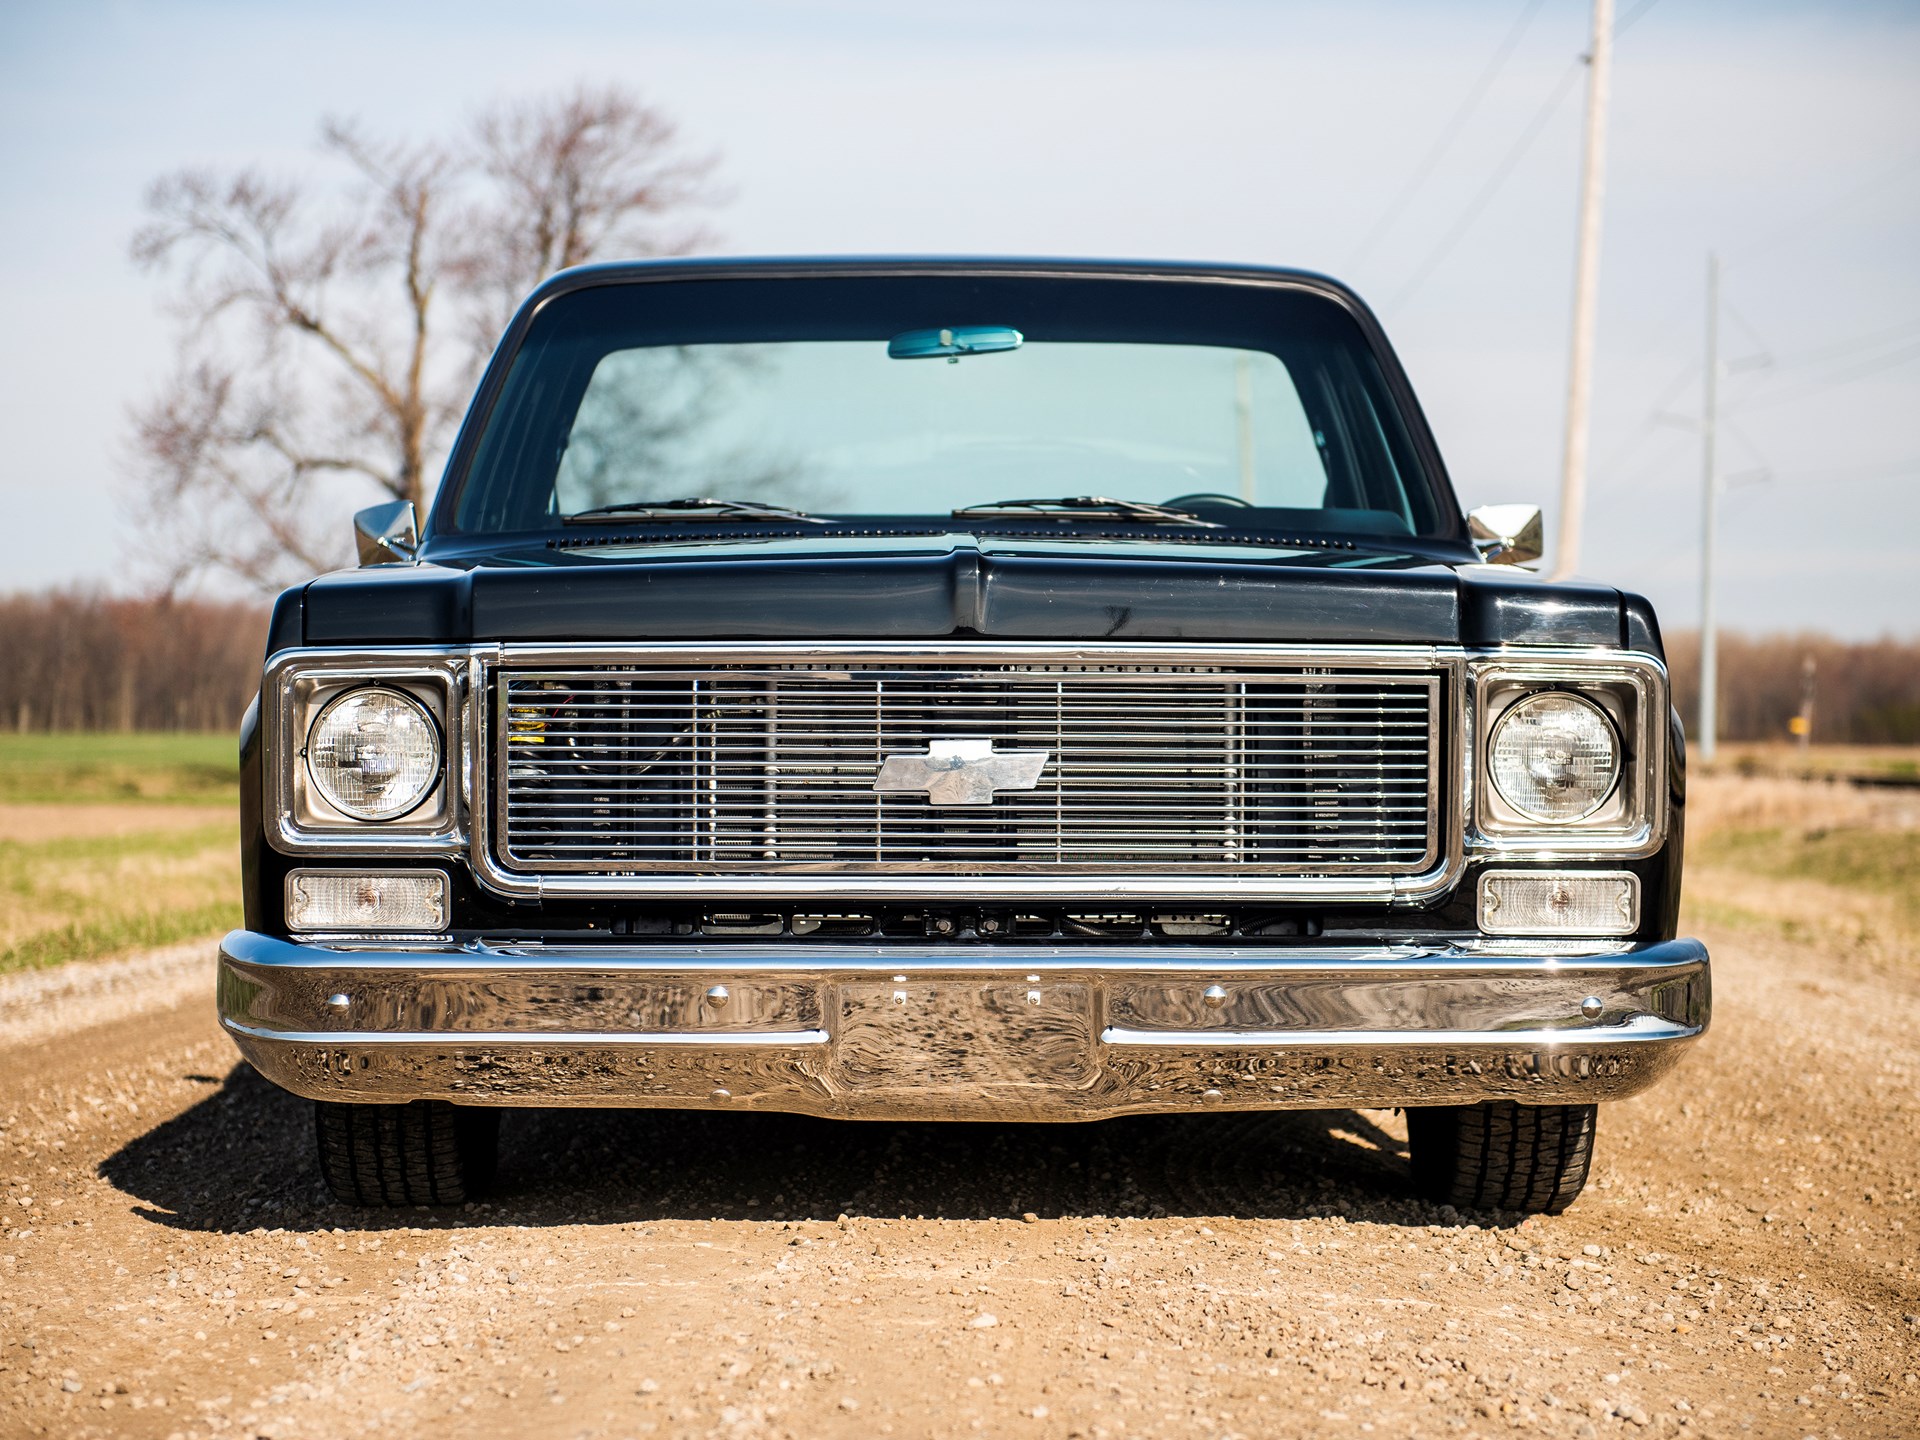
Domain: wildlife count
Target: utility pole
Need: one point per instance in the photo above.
(1243, 422)
(1586, 294)
(1710, 491)
(1803, 722)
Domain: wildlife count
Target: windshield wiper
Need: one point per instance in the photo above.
(695, 508)
(1090, 507)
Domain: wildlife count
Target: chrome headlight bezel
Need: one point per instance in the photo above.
(1630, 692)
(298, 687)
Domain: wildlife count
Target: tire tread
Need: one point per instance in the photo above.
(425, 1153)
(1502, 1156)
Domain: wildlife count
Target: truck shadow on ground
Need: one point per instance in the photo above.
(242, 1158)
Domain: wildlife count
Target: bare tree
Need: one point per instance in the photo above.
(329, 335)
(592, 174)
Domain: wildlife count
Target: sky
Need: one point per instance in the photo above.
(1786, 137)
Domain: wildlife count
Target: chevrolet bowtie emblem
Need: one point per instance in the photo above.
(963, 772)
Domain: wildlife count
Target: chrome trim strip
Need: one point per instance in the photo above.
(1634, 1028)
(510, 1038)
(1562, 954)
(985, 652)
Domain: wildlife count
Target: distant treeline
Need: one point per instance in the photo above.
(1865, 692)
(81, 661)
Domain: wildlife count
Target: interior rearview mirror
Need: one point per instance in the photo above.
(386, 534)
(1507, 534)
(953, 341)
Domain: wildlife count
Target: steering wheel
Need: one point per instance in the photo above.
(1210, 497)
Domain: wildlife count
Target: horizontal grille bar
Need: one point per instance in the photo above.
(755, 769)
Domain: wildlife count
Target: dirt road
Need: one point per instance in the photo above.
(1746, 1261)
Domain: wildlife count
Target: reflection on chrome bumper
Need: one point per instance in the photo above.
(994, 1033)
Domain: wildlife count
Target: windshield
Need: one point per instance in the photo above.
(907, 397)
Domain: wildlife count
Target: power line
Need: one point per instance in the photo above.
(1649, 472)
(1658, 417)
(1512, 157)
(1631, 16)
(1829, 382)
(1766, 346)
(1746, 443)
(1837, 348)
(1887, 470)
(1452, 129)
(1678, 314)
(1487, 191)
(1656, 420)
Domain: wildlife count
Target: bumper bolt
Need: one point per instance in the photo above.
(1211, 1097)
(1215, 996)
(339, 1002)
(718, 996)
(720, 1097)
(1591, 1007)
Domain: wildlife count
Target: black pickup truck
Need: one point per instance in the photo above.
(957, 689)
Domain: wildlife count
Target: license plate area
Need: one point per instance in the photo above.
(949, 1034)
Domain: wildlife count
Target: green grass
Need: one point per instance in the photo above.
(139, 768)
(1879, 861)
(118, 934)
(1819, 762)
(83, 896)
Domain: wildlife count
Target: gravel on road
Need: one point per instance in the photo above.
(1746, 1260)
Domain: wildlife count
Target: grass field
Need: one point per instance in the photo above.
(1765, 853)
(111, 843)
(162, 769)
(1872, 860)
(1779, 758)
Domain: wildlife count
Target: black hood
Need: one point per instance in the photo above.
(956, 586)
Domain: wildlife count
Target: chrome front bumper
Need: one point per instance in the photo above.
(994, 1033)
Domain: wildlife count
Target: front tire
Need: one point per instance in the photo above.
(1502, 1156)
(425, 1153)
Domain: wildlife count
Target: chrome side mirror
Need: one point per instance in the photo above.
(387, 533)
(1507, 534)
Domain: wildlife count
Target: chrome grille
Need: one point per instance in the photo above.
(626, 770)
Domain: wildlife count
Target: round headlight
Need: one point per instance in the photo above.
(1554, 757)
(374, 754)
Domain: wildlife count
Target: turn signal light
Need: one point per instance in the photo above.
(361, 900)
(1559, 902)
